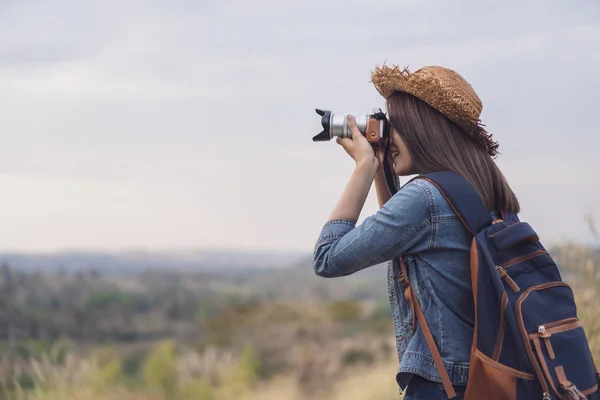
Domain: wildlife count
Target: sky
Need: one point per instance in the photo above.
(180, 124)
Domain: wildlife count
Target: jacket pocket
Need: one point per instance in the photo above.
(558, 348)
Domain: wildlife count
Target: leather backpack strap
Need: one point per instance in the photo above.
(408, 295)
(413, 302)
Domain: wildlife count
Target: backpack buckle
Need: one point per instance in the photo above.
(405, 282)
(572, 393)
(403, 274)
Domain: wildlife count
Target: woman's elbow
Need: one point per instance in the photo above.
(322, 265)
(324, 271)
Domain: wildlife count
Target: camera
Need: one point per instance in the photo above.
(373, 125)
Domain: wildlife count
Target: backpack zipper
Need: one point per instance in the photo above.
(509, 281)
(563, 325)
(502, 271)
(547, 330)
(545, 335)
(522, 258)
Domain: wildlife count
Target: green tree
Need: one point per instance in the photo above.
(159, 369)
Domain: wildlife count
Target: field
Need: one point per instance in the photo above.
(210, 334)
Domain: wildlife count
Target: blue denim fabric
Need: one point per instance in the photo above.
(418, 224)
(422, 389)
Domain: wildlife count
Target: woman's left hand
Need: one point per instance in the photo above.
(358, 147)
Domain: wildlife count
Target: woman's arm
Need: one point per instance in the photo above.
(403, 225)
(355, 194)
(357, 189)
(383, 193)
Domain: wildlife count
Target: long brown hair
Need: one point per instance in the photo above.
(438, 144)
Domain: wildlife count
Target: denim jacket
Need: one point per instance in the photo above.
(418, 224)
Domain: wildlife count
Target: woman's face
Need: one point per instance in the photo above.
(400, 156)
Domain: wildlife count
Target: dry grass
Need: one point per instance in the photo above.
(373, 383)
(364, 383)
(86, 394)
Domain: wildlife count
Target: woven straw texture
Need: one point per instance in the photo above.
(444, 90)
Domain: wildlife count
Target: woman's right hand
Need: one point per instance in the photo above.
(358, 147)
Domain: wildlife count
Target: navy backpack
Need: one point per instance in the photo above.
(528, 342)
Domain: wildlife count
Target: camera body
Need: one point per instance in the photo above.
(373, 125)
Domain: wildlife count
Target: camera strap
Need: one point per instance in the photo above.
(391, 179)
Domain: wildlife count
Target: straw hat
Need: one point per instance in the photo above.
(444, 90)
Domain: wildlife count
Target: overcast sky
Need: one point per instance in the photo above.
(187, 124)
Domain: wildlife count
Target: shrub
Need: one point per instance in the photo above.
(345, 311)
(105, 376)
(160, 368)
(357, 356)
(196, 390)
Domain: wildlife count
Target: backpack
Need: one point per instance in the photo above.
(527, 341)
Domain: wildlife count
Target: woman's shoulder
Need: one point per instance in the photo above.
(413, 201)
(424, 194)
(421, 189)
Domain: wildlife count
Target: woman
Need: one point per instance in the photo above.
(435, 126)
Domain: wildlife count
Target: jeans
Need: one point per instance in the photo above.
(422, 389)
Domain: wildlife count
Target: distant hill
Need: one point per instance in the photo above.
(135, 261)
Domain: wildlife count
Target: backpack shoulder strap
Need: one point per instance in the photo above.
(462, 197)
(467, 204)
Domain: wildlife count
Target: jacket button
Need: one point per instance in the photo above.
(401, 337)
(405, 325)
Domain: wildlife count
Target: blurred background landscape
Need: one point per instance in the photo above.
(161, 194)
(210, 326)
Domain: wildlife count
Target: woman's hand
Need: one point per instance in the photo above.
(358, 147)
(357, 189)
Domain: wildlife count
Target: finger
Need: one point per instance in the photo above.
(353, 127)
(344, 142)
